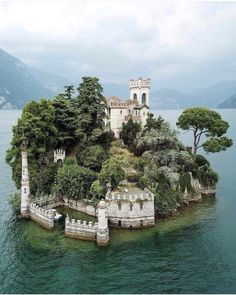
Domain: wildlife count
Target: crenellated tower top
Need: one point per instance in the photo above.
(139, 90)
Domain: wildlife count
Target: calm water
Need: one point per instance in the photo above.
(194, 253)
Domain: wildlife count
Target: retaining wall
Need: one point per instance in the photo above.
(80, 229)
(42, 216)
(81, 206)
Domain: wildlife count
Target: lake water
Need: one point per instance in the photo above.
(193, 253)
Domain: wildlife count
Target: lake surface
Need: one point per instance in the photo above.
(193, 253)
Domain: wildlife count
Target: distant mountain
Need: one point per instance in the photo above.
(206, 97)
(229, 103)
(19, 83)
(169, 99)
(51, 81)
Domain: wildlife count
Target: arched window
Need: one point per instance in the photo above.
(144, 98)
(135, 96)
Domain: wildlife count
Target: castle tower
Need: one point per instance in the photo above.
(59, 155)
(139, 90)
(102, 229)
(25, 188)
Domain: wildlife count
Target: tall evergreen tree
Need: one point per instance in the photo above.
(69, 91)
(65, 120)
(91, 110)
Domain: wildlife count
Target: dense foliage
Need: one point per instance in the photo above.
(130, 131)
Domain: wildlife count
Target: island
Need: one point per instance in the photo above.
(109, 158)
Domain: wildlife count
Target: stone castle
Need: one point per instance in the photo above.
(128, 207)
(136, 107)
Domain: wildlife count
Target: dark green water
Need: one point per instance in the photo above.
(194, 253)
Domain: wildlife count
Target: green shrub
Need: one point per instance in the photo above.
(185, 182)
(15, 201)
(133, 177)
(201, 160)
(92, 157)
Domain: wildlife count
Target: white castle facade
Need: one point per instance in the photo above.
(136, 107)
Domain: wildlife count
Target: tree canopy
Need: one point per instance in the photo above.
(203, 121)
(129, 131)
(91, 110)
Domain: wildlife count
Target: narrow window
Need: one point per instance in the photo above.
(135, 96)
(119, 223)
(136, 113)
(141, 206)
(144, 113)
(119, 206)
(131, 207)
(130, 226)
(144, 98)
(121, 112)
(141, 222)
(25, 190)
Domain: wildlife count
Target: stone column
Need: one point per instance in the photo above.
(102, 229)
(25, 188)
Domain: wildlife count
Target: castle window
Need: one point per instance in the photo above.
(25, 191)
(119, 222)
(141, 206)
(135, 96)
(121, 112)
(119, 206)
(141, 222)
(131, 207)
(144, 98)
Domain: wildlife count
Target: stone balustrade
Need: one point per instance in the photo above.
(42, 216)
(80, 229)
(126, 196)
(81, 206)
(47, 202)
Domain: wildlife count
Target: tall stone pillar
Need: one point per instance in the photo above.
(102, 229)
(25, 188)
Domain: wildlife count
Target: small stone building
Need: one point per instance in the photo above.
(131, 207)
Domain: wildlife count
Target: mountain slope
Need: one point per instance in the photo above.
(229, 103)
(206, 97)
(19, 83)
(52, 82)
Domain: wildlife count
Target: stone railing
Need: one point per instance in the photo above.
(42, 216)
(146, 196)
(81, 206)
(80, 229)
(48, 202)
